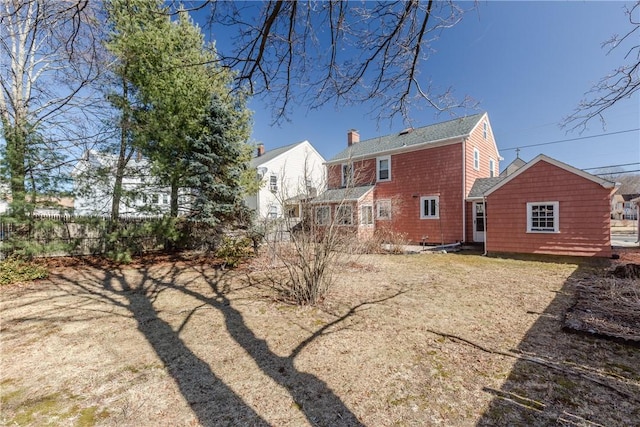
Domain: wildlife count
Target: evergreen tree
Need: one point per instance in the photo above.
(217, 162)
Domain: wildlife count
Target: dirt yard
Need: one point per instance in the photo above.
(402, 340)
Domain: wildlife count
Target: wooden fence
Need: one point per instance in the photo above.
(65, 235)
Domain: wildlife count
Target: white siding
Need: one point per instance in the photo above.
(289, 167)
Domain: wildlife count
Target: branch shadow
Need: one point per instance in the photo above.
(561, 378)
(214, 402)
(312, 396)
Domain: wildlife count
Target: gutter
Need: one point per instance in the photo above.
(464, 187)
(484, 202)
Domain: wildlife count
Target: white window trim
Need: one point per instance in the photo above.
(344, 178)
(485, 130)
(338, 217)
(437, 201)
(362, 208)
(476, 159)
(328, 218)
(556, 217)
(273, 187)
(272, 212)
(379, 203)
(492, 167)
(378, 160)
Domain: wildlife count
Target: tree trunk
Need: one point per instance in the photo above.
(174, 198)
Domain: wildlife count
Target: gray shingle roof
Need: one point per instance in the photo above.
(272, 154)
(343, 194)
(481, 185)
(437, 132)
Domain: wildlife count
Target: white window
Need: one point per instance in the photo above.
(322, 215)
(484, 130)
(366, 215)
(476, 159)
(383, 168)
(492, 167)
(347, 174)
(344, 215)
(273, 183)
(430, 207)
(273, 212)
(383, 209)
(543, 217)
(165, 199)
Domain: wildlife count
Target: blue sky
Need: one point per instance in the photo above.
(527, 63)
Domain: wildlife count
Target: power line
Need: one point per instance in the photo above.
(616, 173)
(611, 166)
(572, 139)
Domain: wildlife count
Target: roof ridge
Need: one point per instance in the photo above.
(425, 126)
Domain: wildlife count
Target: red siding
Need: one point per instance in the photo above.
(488, 150)
(430, 172)
(584, 213)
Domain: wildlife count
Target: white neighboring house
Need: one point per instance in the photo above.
(94, 178)
(288, 173)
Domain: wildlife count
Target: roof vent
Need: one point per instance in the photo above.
(406, 131)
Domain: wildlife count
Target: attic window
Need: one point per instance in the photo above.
(406, 131)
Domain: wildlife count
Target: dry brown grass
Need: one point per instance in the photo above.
(435, 339)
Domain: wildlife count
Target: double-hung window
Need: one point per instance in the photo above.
(383, 168)
(347, 174)
(322, 215)
(492, 167)
(543, 217)
(273, 183)
(476, 159)
(344, 215)
(430, 207)
(366, 215)
(383, 209)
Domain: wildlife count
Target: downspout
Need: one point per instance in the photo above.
(484, 218)
(464, 187)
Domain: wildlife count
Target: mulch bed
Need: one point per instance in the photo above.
(609, 306)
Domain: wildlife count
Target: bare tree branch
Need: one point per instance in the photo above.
(622, 83)
(337, 52)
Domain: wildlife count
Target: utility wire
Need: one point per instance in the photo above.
(616, 173)
(611, 166)
(572, 139)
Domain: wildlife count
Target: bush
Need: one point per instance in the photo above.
(15, 270)
(233, 250)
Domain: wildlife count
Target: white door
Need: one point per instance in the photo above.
(478, 221)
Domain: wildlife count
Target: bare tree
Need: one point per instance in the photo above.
(622, 83)
(338, 52)
(48, 52)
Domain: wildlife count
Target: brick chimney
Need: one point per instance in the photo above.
(353, 137)
(260, 150)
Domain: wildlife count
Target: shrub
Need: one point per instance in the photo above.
(15, 270)
(233, 250)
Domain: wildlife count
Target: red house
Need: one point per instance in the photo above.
(439, 184)
(414, 182)
(546, 207)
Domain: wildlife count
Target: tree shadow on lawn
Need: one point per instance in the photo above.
(561, 378)
(213, 402)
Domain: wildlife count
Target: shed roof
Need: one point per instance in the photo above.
(482, 185)
(456, 128)
(351, 194)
